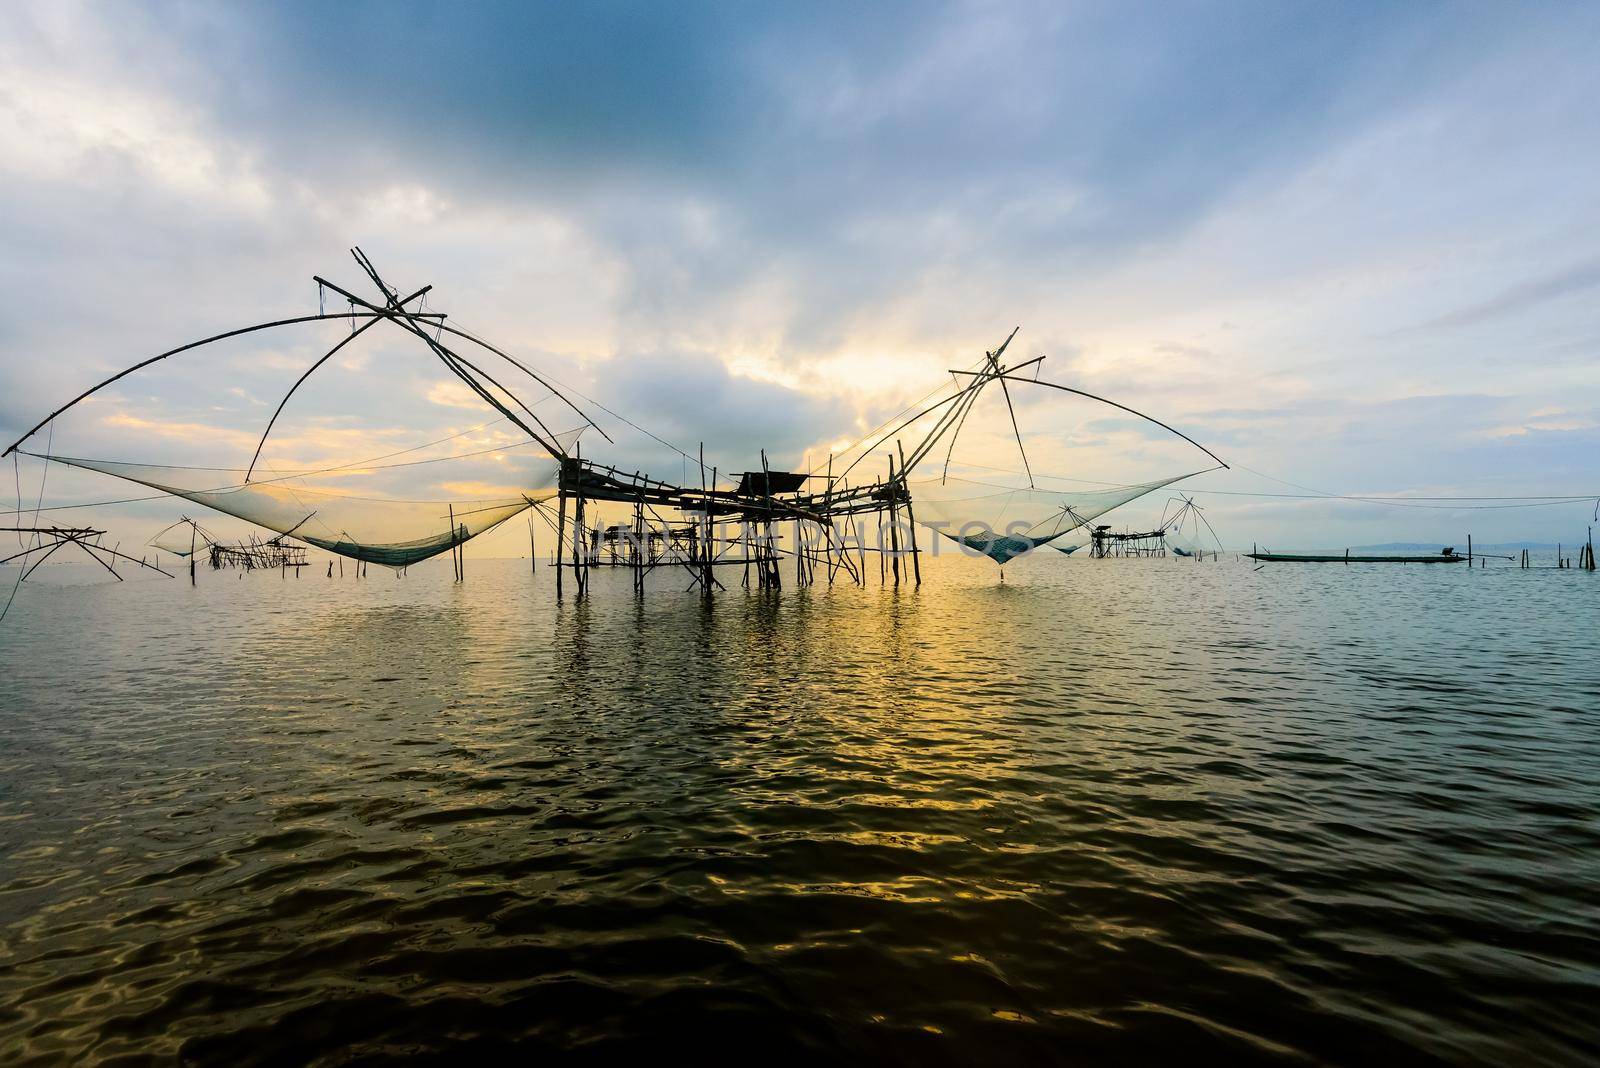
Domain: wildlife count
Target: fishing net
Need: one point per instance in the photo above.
(1185, 541)
(1188, 533)
(393, 533)
(1004, 523)
(180, 539)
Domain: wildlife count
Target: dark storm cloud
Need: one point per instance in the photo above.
(778, 187)
(849, 150)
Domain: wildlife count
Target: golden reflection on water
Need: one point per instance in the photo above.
(259, 811)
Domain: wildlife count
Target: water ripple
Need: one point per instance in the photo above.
(1111, 811)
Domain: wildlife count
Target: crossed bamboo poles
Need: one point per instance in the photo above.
(45, 542)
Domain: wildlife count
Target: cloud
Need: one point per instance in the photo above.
(1575, 278)
(765, 227)
(692, 397)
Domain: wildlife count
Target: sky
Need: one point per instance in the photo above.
(1351, 248)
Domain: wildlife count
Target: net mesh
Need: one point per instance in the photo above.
(1003, 523)
(180, 539)
(1188, 533)
(392, 533)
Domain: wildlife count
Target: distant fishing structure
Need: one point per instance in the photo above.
(764, 523)
(41, 543)
(251, 554)
(1104, 542)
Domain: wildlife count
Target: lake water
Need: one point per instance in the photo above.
(1110, 811)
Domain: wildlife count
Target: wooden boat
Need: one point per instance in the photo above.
(1446, 556)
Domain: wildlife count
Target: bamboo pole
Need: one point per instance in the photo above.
(703, 535)
(638, 547)
(894, 522)
(455, 564)
(579, 550)
(769, 567)
(911, 517)
(561, 529)
(861, 553)
(832, 528)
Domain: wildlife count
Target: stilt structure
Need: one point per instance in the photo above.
(608, 517)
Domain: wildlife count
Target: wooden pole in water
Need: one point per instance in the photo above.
(579, 550)
(579, 572)
(770, 575)
(638, 537)
(830, 528)
(911, 517)
(561, 529)
(861, 550)
(894, 523)
(703, 537)
(1469, 550)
